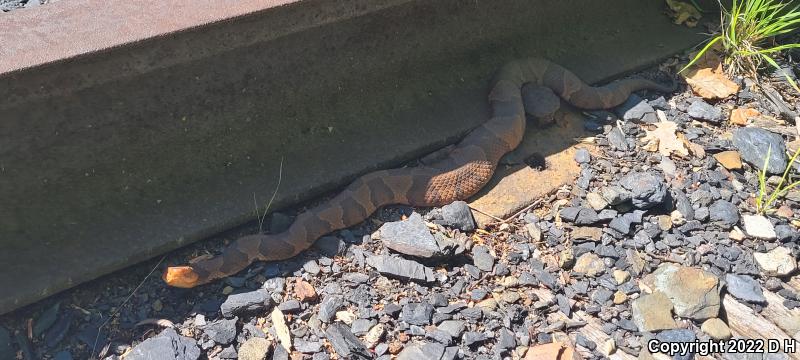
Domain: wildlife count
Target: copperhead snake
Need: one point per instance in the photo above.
(462, 173)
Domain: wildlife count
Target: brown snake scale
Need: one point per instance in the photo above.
(464, 171)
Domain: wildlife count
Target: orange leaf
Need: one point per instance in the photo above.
(741, 115)
(709, 84)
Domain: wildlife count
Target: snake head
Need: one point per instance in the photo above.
(181, 276)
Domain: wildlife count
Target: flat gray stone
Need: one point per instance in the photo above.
(745, 288)
(458, 215)
(245, 302)
(401, 268)
(346, 345)
(410, 237)
(167, 345)
(753, 145)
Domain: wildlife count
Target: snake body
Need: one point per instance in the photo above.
(463, 172)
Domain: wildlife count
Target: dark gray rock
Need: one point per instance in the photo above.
(506, 340)
(275, 285)
(392, 310)
(621, 224)
(563, 305)
(472, 338)
(451, 353)
(330, 246)
(346, 345)
(245, 303)
(745, 288)
(410, 237)
(724, 213)
(753, 145)
(452, 327)
(472, 314)
(701, 110)
(636, 109)
(58, 331)
(458, 215)
(307, 347)
(482, 259)
(168, 345)
(528, 279)
(786, 233)
(683, 205)
(321, 356)
(579, 215)
(439, 336)
(615, 195)
(417, 313)
(361, 326)
(473, 271)
(222, 331)
(280, 353)
(312, 267)
(401, 268)
(328, 307)
(427, 351)
(46, 319)
(602, 295)
(545, 278)
(228, 353)
(647, 189)
(678, 336)
(617, 139)
(290, 306)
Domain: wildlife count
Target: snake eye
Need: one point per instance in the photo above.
(181, 276)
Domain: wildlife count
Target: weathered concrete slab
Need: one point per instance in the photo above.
(110, 159)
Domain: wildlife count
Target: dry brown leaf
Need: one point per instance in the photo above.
(683, 13)
(709, 84)
(665, 140)
(711, 58)
(694, 149)
(741, 115)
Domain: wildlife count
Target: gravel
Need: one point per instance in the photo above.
(422, 283)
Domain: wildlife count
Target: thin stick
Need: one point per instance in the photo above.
(663, 258)
(280, 177)
(97, 338)
(537, 202)
(484, 213)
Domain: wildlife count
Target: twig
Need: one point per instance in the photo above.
(484, 213)
(664, 258)
(781, 105)
(537, 202)
(119, 308)
(280, 177)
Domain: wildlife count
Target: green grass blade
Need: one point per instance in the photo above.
(789, 79)
(702, 51)
(762, 184)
